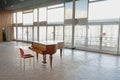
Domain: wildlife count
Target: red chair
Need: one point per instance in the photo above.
(25, 56)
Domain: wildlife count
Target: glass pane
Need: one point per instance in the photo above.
(35, 33)
(94, 36)
(14, 17)
(42, 33)
(109, 8)
(28, 19)
(110, 37)
(81, 9)
(42, 14)
(14, 32)
(30, 33)
(80, 36)
(19, 17)
(58, 32)
(19, 33)
(68, 36)
(56, 16)
(50, 33)
(68, 10)
(35, 15)
(25, 32)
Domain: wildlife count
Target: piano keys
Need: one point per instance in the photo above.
(47, 47)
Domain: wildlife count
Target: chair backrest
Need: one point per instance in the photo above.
(21, 52)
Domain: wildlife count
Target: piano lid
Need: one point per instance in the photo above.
(48, 42)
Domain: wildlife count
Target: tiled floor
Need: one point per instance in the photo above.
(74, 65)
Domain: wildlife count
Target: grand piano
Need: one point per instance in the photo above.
(47, 47)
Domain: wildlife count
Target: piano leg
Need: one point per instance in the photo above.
(50, 60)
(44, 59)
(37, 56)
(60, 53)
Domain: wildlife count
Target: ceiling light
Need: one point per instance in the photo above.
(12, 6)
(21, 0)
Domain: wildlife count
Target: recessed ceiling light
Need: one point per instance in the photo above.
(12, 6)
(21, 0)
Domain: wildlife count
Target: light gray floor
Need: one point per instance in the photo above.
(74, 65)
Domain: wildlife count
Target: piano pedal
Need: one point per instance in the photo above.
(44, 62)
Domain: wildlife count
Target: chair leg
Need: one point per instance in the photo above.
(20, 62)
(50, 61)
(30, 61)
(37, 57)
(44, 59)
(61, 53)
(33, 63)
(24, 65)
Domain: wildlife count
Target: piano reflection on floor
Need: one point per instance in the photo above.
(47, 47)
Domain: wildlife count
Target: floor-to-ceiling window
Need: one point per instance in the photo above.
(14, 18)
(28, 18)
(42, 17)
(109, 22)
(42, 14)
(30, 34)
(80, 36)
(58, 32)
(50, 33)
(25, 32)
(19, 26)
(35, 15)
(68, 24)
(19, 33)
(19, 17)
(42, 33)
(81, 28)
(35, 24)
(35, 33)
(94, 36)
(15, 33)
(110, 37)
(106, 9)
(68, 35)
(56, 14)
(15, 28)
(27, 25)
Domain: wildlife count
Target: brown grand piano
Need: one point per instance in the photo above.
(47, 47)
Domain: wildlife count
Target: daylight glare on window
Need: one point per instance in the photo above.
(107, 9)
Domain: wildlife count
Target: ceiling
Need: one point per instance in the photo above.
(24, 4)
(27, 4)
